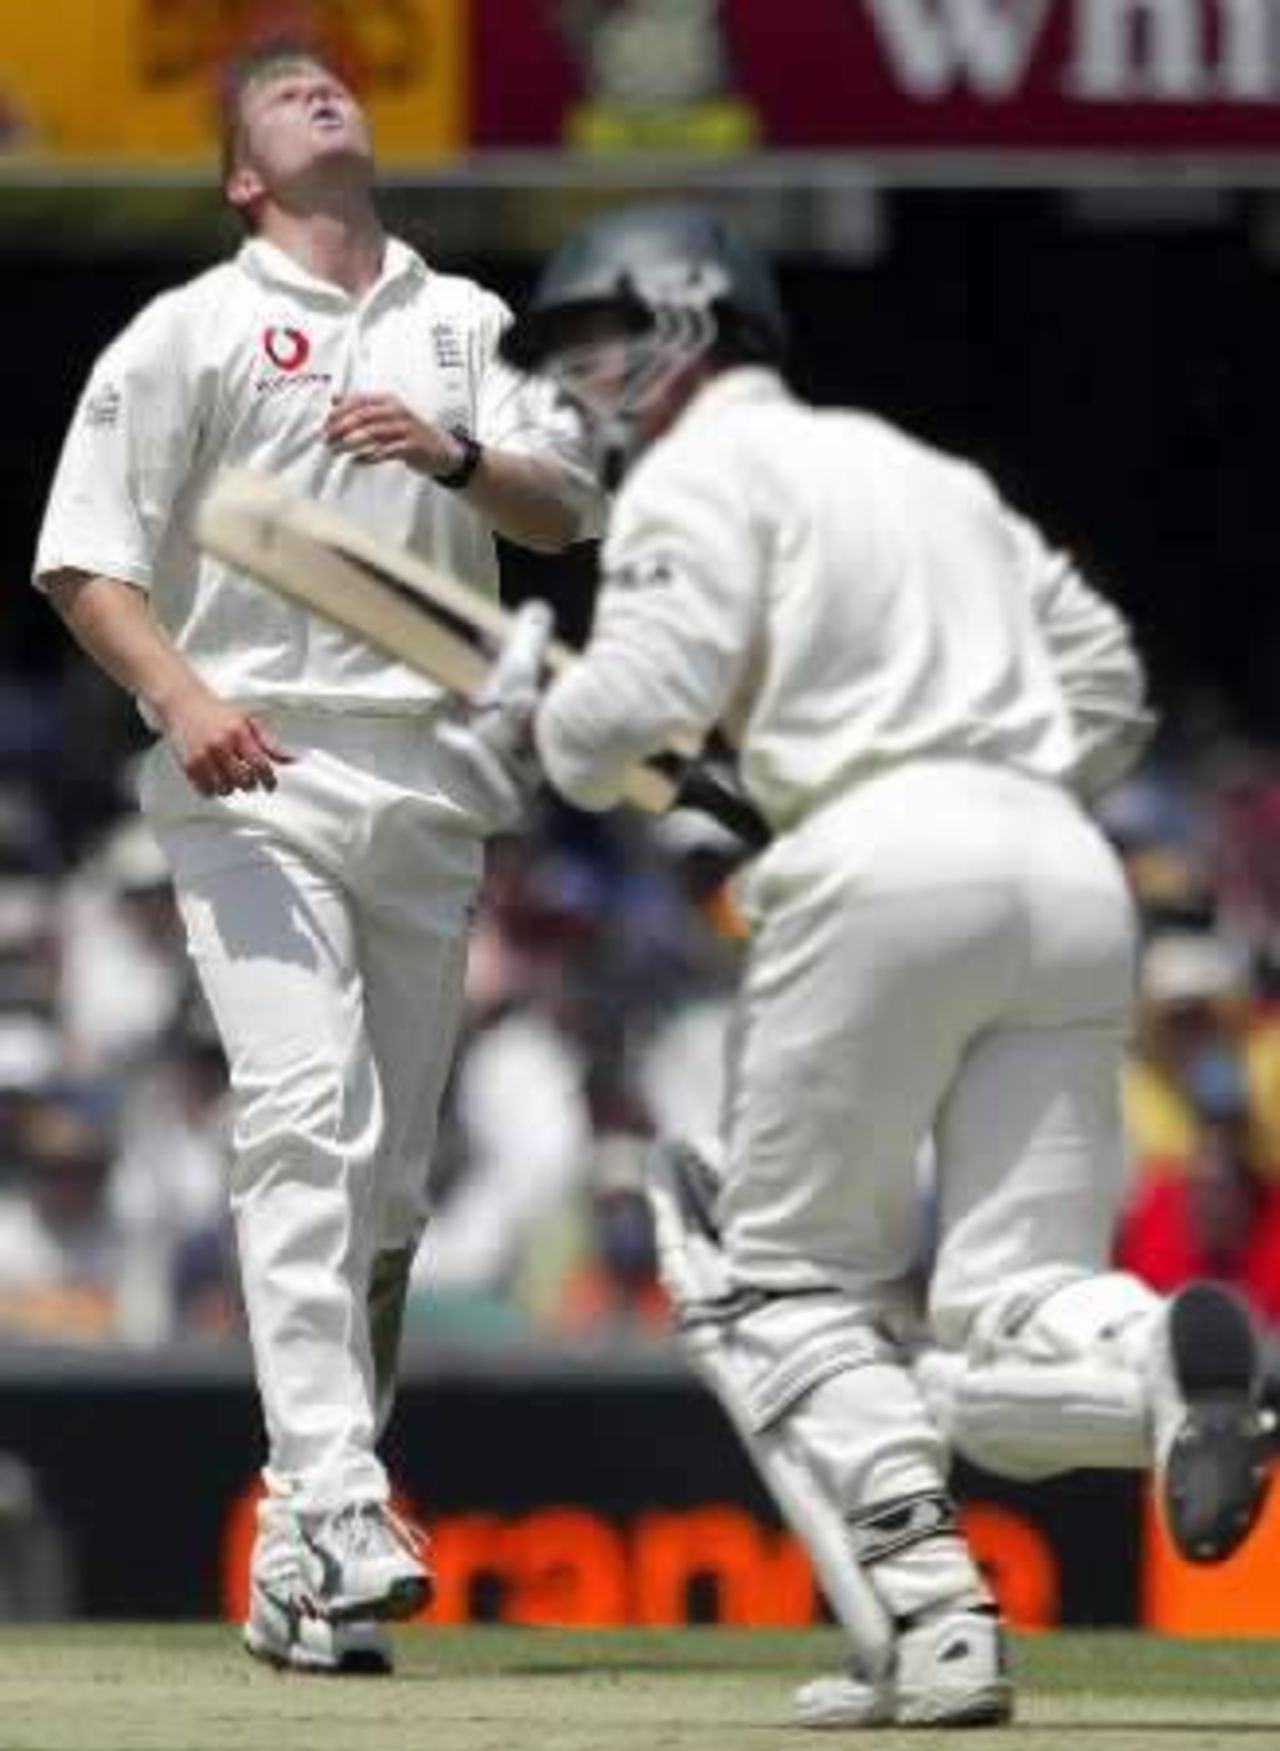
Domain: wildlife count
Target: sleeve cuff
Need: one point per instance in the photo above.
(123, 571)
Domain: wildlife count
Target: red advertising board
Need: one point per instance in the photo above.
(1173, 76)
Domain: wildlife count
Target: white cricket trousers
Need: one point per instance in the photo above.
(944, 952)
(327, 922)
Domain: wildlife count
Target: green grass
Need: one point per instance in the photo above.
(145, 1687)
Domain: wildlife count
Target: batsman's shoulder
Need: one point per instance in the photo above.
(713, 465)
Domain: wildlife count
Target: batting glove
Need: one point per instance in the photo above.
(495, 740)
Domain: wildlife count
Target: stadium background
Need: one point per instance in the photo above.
(1054, 247)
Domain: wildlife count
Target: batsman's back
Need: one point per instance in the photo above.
(900, 621)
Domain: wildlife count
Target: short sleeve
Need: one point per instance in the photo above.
(127, 453)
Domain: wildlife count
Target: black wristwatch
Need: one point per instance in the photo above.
(472, 451)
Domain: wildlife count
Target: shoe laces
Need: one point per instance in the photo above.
(281, 1573)
(367, 1528)
(279, 1569)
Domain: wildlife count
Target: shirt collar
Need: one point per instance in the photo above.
(740, 384)
(273, 266)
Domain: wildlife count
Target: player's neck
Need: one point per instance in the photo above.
(343, 244)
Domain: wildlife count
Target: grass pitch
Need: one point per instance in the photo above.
(146, 1687)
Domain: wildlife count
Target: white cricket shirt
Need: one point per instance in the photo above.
(240, 367)
(840, 598)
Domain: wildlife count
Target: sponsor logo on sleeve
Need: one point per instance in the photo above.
(642, 574)
(103, 407)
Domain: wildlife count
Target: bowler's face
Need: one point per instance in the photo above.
(296, 120)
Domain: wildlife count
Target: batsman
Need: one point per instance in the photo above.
(925, 697)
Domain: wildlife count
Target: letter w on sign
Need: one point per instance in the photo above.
(418, 615)
(937, 46)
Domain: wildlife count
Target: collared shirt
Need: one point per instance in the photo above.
(240, 367)
(840, 598)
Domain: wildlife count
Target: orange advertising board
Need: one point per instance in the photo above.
(1236, 1598)
(135, 81)
(573, 1566)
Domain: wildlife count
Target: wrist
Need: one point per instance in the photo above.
(459, 473)
(168, 700)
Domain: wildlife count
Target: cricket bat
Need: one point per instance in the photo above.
(418, 615)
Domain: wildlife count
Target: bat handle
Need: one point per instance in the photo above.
(712, 790)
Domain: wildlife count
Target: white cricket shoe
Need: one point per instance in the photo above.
(1212, 1434)
(950, 1671)
(839, 1700)
(282, 1635)
(364, 1561)
(283, 1629)
(953, 1671)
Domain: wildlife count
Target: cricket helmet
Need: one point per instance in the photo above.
(631, 300)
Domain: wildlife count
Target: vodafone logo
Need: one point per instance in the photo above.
(287, 348)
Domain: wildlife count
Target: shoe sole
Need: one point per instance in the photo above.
(1216, 1473)
(354, 1663)
(989, 1705)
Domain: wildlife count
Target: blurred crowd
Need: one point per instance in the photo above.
(602, 968)
(601, 964)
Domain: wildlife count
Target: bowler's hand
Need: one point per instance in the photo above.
(380, 428)
(220, 747)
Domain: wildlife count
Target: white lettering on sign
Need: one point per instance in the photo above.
(1175, 51)
(1250, 59)
(1120, 51)
(1140, 48)
(935, 46)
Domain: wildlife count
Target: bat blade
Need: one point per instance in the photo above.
(331, 566)
(410, 610)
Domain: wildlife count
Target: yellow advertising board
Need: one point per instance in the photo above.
(135, 81)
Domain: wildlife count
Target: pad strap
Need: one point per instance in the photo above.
(886, 1528)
